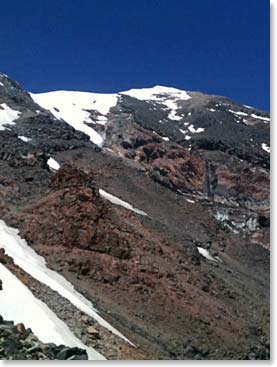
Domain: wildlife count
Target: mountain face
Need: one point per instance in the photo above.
(154, 204)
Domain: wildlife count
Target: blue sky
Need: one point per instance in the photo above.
(214, 46)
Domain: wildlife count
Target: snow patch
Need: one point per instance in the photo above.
(187, 137)
(73, 108)
(7, 116)
(24, 138)
(173, 115)
(266, 147)
(206, 254)
(239, 113)
(190, 201)
(17, 303)
(113, 199)
(54, 165)
(165, 138)
(195, 131)
(267, 119)
(2, 84)
(33, 264)
(221, 216)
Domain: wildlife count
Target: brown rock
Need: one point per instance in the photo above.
(21, 328)
(93, 332)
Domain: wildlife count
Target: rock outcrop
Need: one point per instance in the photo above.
(18, 343)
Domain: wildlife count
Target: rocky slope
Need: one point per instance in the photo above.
(189, 279)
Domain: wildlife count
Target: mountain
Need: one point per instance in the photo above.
(141, 219)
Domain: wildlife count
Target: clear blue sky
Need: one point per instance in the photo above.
(214, 46)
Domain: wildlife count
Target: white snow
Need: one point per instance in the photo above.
(267, 119)
(173, 115)
(190, 201)
(24, 138)
(7, 115)
(239, 113)
(266, 147)
(212, 109)
(165, 138)
(192, 130)
(155, 93)
(17, 303)
(113, 199)
(73, 107)
(206, 254)
(165, 95)
(2, 84)
(195, 131)
(221, 216)
(187, 137)
(33, 264)
(54, 165)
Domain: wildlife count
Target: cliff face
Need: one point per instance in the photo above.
(186, 274)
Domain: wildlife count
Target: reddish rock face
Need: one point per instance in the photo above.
(253, 183)
(174, 167)
(77, 217)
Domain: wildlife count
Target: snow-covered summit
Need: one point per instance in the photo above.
(157, 93)
(166, 96)
(82, 108)
(172, 112)
(75, 108)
